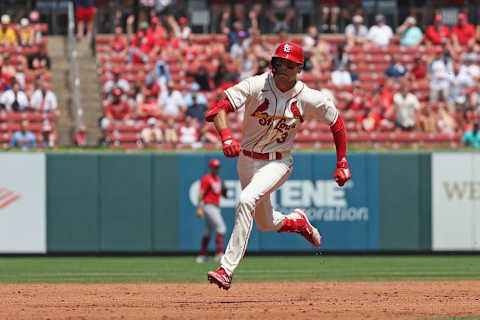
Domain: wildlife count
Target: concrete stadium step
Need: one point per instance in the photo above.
(62, 82)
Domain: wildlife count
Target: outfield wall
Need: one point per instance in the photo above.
(145, 203)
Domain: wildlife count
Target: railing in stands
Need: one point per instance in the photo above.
(73, 58)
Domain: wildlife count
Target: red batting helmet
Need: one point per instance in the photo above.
(214, 163)
(290, 51)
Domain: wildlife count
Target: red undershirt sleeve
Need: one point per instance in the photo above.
(340, 137)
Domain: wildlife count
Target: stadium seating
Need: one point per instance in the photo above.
(368, 62)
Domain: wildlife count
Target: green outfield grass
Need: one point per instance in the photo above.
(258, 269)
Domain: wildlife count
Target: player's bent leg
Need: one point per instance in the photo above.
(266, 218)
(298, 222)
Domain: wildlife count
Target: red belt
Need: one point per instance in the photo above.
(262, 156)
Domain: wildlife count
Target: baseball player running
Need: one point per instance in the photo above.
(208, 207)
(275, 104)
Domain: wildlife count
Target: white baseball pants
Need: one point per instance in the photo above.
(213, 220)
(258, 179)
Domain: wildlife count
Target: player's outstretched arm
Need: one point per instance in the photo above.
(342, 173)
(218, 114)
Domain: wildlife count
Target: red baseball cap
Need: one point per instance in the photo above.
(290, 51)
(214, 163)
(438, 18)
(462, 16)
(183, 20)
(117, 92)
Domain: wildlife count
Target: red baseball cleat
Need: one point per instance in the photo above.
(298, 222)
(308, 231)
(220, 277)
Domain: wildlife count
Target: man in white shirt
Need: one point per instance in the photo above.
(171, 101)
(470, 65)
(14, 99)
(356, 33)
(380, 34)
(439, 83)
(341, 76)
(460, 83)
(406, 104)
(44, 100)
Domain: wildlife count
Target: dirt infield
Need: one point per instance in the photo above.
(325, 300)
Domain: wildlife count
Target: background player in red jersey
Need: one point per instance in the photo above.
(208, 207)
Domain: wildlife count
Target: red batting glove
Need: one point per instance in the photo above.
(231, 147)
(342, 174)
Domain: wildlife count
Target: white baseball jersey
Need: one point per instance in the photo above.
(272, 117)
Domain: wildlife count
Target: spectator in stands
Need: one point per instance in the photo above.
(419, 69)
(160, 74)
(80, 138)
(446, 122)
(23, 138)
(385, 98)
(380, 34)
(171, 101)
(460, 83)
(142, 48)
(281, 15)
(410, 35)
(310, 39)
(117, 111)
(85, 12)
(202, 78)
(330, 9)
(236, 39)
(341, 76)
(463, 33)
(5, 79)
(197, 109)
(258, 47)
(116, 82)
(188, 132)
(148, 106)
(194, 92)
(171, 135)
(190, 51)
(471, 138)
(44, 100)
(438, 33)
(356, 99)
(19, 76)
(156, 30)
(208, 134)
(406, 106)
(356, 32)
(184, 31)
(368, 121)
(223, 75)
(26, 33)
(118, 44)
(396, 70)
(427, 120)
(39, 61)
(470, 66)
(8, 37)
(151, 135)
(439, 83)
(48, 136)
(14, 99)
(34, 17)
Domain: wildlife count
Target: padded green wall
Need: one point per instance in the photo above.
(404, 195)
(111, 203)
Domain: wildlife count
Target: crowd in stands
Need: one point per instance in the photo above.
(407, 83)
(28, 107)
